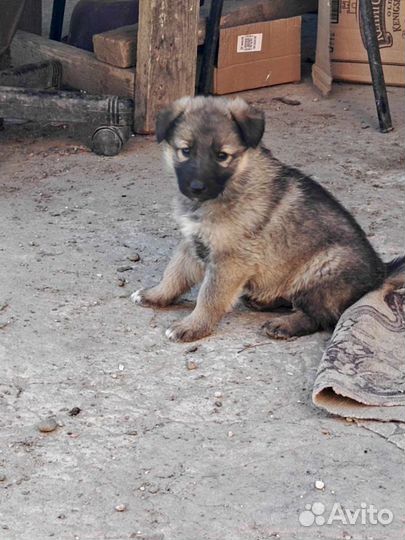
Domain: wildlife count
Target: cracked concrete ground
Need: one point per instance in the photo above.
(230, 450)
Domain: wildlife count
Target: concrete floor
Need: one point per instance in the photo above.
(230, 450)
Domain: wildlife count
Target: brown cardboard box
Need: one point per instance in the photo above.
(347, 50)
(256, 55)
(394, 75)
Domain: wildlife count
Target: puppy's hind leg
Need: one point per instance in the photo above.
(293, 324)
(183, 272)
(315, 307)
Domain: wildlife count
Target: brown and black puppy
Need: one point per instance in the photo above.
(256, 228)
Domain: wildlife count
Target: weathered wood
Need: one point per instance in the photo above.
(69, 107)
(245, 12)
(166, 57)
(42, 75)
(81, 69)
(31, 17)
(118, 47)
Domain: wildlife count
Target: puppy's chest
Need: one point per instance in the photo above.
(198, 236)
(201, 250)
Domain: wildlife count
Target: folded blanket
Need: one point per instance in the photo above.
(362, 372)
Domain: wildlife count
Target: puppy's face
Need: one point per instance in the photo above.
(207, 138)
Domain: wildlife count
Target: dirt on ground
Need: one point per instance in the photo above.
(160, 441)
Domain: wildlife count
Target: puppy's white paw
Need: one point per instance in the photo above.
(187, 330)
(171, 334)
(136, 297)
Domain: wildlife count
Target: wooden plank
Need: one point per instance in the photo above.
(240, 12)
(118, 47)
(69, 107)
(31, 17)
(80, 69)
(166, 57)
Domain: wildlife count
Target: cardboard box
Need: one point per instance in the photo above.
(257, 55)
(347, 46)
(359, 72)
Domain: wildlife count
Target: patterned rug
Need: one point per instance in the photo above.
(362, 372)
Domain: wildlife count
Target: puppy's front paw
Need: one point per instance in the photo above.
(140, 297)
(137, 297)
(148, 298)
(187, 331)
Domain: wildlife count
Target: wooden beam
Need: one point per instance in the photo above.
(69, 107)
(166, 57)
(80, 69)
(118, 47)
(241, 12)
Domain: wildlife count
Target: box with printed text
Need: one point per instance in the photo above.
(347, 44)
(257, 55)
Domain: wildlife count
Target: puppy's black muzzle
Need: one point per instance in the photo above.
(201, 181)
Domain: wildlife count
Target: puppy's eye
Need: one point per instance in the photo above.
(222, 156)
(185, 152)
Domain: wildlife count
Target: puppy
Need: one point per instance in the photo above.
(256, 228)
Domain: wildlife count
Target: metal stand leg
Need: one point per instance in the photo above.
(210, 48)
(374, 60)
(58, 13)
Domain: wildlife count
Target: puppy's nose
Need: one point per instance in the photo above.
(196, 186)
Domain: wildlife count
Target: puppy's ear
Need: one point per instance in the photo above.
(249, 121)
(167, 118)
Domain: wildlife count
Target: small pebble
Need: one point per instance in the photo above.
(135, 257)
(124, 268)
(218, 394)
(121, 367)
(120, 507)
(319, 484)
(121, 282)
(218, 403)
(191, 349)
(47, 425)
(230, 434)
(190, 364)
(75, 411)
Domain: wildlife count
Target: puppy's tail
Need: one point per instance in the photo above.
(395, 275)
